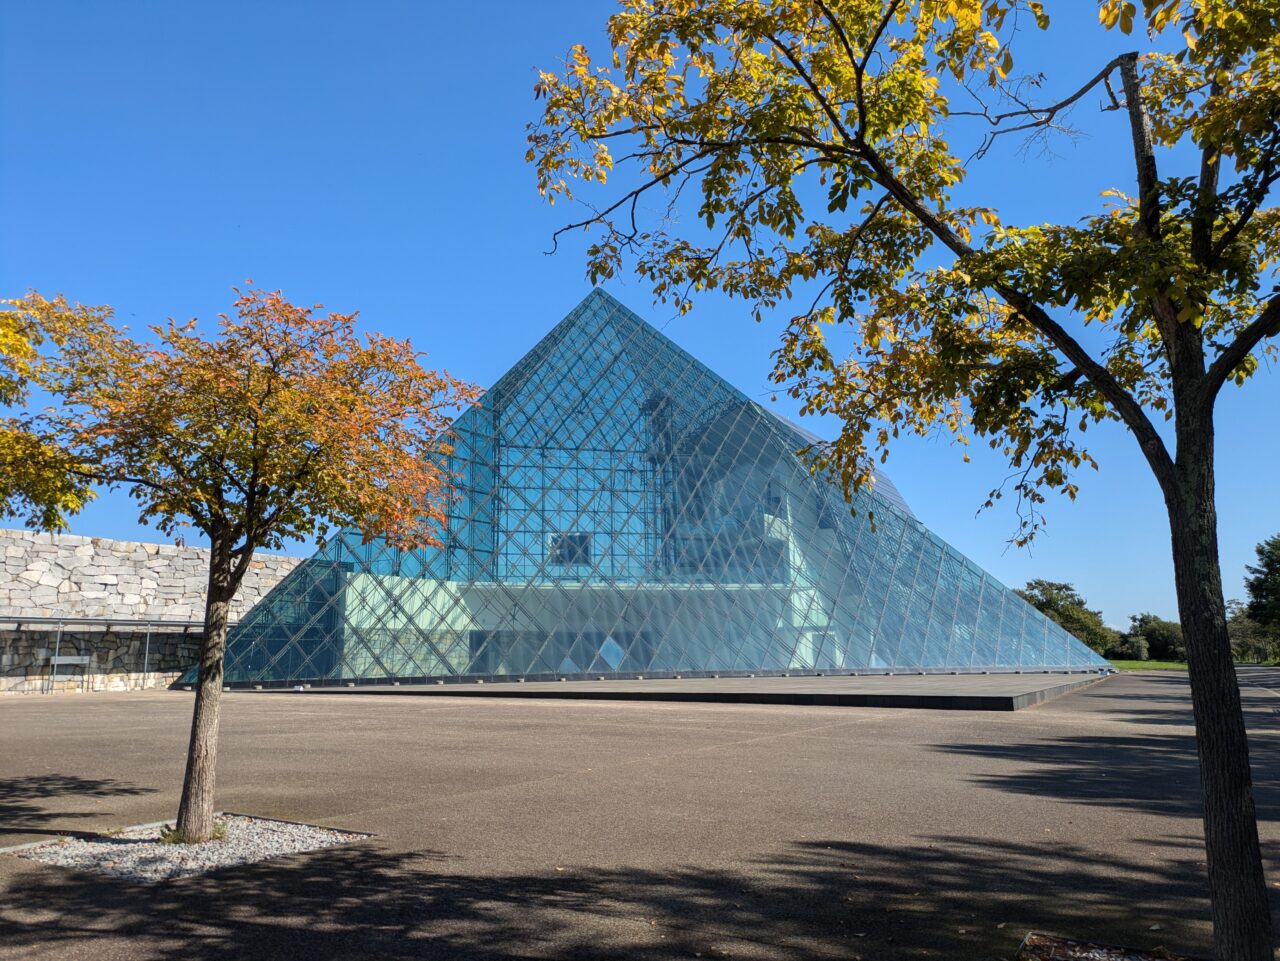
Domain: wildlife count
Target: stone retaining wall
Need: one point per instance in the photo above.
(44, 575)
(63, 575)
(121, 659)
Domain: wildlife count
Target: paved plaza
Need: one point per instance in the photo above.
(530, 828)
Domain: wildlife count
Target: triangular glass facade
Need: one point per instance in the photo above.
(623, 510)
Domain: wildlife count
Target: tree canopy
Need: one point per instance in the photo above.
(284, 426)
(1064, 605)
(1163, 637)
(818, 139)
(820, 145)
(1263, 585)
(1250, 641)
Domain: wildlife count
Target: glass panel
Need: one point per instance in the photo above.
(621, 509)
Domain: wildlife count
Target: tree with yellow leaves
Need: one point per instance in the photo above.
(815, 138)
(37, 482)
(284, 426)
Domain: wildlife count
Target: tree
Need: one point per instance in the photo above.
(1062, 604)
(284, 426)
(817, 145)
(1164, 638)
(37, 479)
(1250, 641)
(1263, 585)
(1130, 647)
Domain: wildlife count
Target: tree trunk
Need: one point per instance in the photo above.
(195, 811)
(1237, 888)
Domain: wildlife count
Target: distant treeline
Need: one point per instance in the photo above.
(1254, 623)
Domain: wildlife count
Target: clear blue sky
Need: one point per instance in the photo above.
(369, 156)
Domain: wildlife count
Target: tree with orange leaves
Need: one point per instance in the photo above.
(286, 425)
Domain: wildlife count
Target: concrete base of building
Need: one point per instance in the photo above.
(951, 692)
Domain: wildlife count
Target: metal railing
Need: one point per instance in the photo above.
(21, 621)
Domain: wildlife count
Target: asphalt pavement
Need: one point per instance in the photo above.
(631, 830)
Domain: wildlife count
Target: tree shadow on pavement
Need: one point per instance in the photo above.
(1151, 772)
(970, 898)
(1156, 774)
(1165, 698)
(22, 813)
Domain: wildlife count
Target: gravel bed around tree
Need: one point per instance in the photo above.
(139, 854)
(1046, 947)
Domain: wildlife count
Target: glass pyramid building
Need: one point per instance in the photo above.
(623, 511)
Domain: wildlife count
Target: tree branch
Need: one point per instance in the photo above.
(890, 11)
(631, 196)
(1268, 175)
(832, 114)
(843, 37)
(1183, 342)
(1266, 324)
(1205, 212)
(852, 245)
(860, 64)
(101, 478)
(1126, 406)
(1144, 154)
(1043, 116)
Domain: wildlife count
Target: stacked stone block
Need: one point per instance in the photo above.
(46, 575)
(63, 575)
(121, 659)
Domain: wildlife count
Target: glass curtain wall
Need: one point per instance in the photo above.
(623, 510)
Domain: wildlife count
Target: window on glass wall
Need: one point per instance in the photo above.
(567, 550)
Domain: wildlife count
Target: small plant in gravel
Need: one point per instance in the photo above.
(171, 835)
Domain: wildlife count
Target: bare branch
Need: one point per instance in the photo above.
(853, 243)
(1041, 117)
(630, 197)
